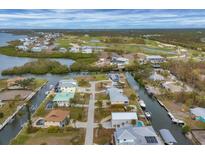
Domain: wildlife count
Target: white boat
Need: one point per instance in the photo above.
(177, 121)
(47, 92)
(142, 104)
(148, 115)
(170, 115)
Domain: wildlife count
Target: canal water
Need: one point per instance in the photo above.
(13, 128)
(6, 37)
(160, 118)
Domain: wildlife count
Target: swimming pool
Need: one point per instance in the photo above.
(140, 124)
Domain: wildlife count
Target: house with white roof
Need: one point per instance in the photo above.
(68, 86)
(117, 97)
(156, 77)
(121, 119)
(133, 135)
(120, 61)
(22, 48)
(155, 59)
(86, 49)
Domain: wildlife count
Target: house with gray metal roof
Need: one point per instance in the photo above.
(122, 119)
(117, 97)
(134, 135)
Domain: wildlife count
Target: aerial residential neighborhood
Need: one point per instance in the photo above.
(102, 87)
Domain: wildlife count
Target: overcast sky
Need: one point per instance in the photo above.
(100, 19)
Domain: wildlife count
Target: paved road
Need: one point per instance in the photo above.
(90, 120)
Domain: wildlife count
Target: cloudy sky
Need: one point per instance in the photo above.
(97, 19)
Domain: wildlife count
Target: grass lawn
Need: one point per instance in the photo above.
(8, 109)
(101, 96)
(103, 136)
(65, 136)
(41, 112)
(99, 77)
(101, 113)
(83, 81)
(78, 113)
(81, 98)
(37, 83)
(3, 84)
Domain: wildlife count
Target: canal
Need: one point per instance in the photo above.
(160, 118)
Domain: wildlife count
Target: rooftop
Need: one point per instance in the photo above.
(124, 115)
(116, 95)
(137, 135)
(63, 96)
(57, 115)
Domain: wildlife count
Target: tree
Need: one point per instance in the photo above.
(186, 129)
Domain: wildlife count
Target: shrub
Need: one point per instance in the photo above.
(186, 129)
(1, 114)
(53, 129)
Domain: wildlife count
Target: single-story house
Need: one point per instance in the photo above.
(57, 117)
(155, 59)
(133, 135)
(36, 49)
(198, 113)
(86, 49)
(22, 48)
(62, 99)
(156, 77)
(62, 50)
(67, 86)
(117, 97)
(120, 119)
(75, 49)
(120, 61)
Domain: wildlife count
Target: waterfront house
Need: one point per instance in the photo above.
(22, 48)
(62, 50)
(117, 97)
(155, 59)
(86, 49)
(62, 99)
(67, 86)
(57, 117)
(121, 119)
(198, 113)
(156, 77)
(36, 49)
(120, 61)
(74, 49)
(133, 135)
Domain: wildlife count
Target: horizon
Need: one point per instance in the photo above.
(102, 19)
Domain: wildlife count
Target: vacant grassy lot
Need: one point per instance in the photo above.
(81, 98)
(64, 136)
(78, 113)
(103, 136)
(8, 109)
(3, 84)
